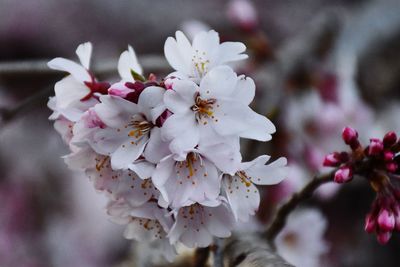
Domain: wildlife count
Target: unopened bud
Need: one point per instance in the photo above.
(383, 237)
(389, 139)
(370, 223)
(386, 220)
(343, 175)
(332, 160)
(350, 137)
(375, 147)
(391, 166)
(388, 156)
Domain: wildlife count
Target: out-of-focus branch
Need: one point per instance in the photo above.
(153, 63)
(251, 251)
(279, 221)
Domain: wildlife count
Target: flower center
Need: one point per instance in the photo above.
(140, 128)
(243, 177)
(203, 108)
(200, 64)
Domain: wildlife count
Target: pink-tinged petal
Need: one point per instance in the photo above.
(231, 51)
(115, 111)
(270, 174)
(127, 62)
(245, 90)
(218, 82)
(135, 190)
(128, 152)
(106, 141)
(84, 52)
(120, 90)
(77, 71)
(243, 197)
(156, 148)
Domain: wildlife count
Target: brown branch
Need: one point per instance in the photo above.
(201, 256)
(279, 221)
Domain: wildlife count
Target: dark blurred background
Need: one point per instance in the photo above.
(346, 52)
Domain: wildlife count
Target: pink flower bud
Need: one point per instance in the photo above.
(92, 120)
(343, 175)
(349, 135)
(388, 155)
(243, 14)
(370, 223)
(383, 237)
(397, 219)
(386, 220)
(389, 139)
(375, 147)
(391, 166)
(332, 160)
(119, 89)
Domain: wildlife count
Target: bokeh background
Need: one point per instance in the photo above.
(319, 65)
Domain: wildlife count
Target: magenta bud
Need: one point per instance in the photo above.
(389, 139)
(375, 147)
(332, 160)
(386, 220)
(343, 175)
(391, 166)
(388, 155)
(383, 237)
(349, 135)
(397, 219)
(370, 224)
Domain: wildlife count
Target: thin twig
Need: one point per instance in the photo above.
(218, 253)
(279, 220)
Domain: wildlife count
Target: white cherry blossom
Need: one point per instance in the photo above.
(240, 189)
(146, 223)
(194, 179)
(128, 126)
(219, 105)
(197, 224)
(195, 60)
(128, 62)
(74, 93)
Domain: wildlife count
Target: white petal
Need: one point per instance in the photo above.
(127, 153)
(243, 197)
(220, 221)
(207, 42)
(127, 62)
(84, 52)
(258, 128)
(270, 174)
(69, 91)
(156, 148)
(245, 90)
(231, 51)
(142, 168)
(115, 111)
(177, 52)
(76, 70)
(151, 101)
(218, 82)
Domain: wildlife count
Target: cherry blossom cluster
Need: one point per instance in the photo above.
(166, 152)
(378, 163)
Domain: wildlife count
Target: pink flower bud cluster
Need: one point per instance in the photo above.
(378, 163)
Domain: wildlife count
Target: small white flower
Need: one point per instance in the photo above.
(242, 194)
(301, 241)
(147, 223)
(118, 184)
(219, 103)
(196, 225)
(129, 125)
(74, 93)
(195, 60)
(194, 179)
